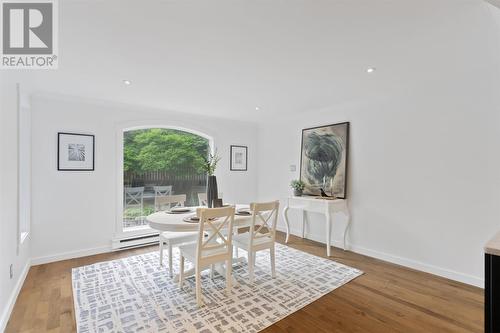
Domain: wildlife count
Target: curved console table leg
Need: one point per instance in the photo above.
(285, 217)
(347, 213)
(348, 225)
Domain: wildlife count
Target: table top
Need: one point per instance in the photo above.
(493, 246)
(164, 221)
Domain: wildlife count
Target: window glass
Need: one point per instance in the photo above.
(160, 162)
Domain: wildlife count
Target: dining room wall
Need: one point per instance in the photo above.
(423, 182)
(74, 213)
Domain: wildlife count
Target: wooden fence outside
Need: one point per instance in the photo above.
(159, 178)
(190, 184)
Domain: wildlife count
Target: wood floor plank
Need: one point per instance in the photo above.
(388, 299)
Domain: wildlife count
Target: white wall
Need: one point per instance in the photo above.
(10, 253)
(75, 212)
(424, 180)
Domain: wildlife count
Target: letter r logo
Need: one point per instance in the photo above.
(27, 28)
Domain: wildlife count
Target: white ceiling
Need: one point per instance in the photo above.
(224, 58)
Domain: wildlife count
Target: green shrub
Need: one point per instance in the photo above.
(134, 212)
(297, 185)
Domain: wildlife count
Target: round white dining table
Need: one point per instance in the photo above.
(164, 221)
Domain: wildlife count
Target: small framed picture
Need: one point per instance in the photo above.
(75, 152)
(239, 157)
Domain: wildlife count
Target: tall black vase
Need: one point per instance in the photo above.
(212, 192)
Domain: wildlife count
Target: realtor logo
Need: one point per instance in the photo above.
(29, 34)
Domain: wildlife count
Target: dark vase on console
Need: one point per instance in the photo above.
(212, 192)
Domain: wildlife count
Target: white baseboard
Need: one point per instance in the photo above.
(443, 272)
(70, 255)
(13, 296)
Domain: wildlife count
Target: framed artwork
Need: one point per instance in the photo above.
(75, 152)
(323, 159)
(239, 158)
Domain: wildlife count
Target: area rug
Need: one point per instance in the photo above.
(135, 294)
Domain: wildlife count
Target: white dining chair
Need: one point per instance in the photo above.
(169, 201)
(173, 238)
(134, 197)
(215, 248)
(202, 198)
(161, 191)
(261, 236)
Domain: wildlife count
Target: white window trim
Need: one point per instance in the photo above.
(24, 182)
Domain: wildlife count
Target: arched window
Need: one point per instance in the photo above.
(158, 163)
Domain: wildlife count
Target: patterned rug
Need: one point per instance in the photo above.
(135, 294)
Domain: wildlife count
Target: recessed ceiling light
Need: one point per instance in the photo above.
(257, 108)
(127, 82)
(371, 69)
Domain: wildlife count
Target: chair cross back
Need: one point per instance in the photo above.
(213, 221)
(162, 191)
(266, 214)
(134, 196)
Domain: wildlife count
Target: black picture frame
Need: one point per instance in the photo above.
(347, 125)
(231, 165)
(59, 135)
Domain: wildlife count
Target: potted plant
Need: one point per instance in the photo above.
(209, 167)
(298, 186)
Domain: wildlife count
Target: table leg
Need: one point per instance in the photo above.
(328, 231)
(285, 218)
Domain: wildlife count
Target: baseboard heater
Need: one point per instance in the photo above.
(134, 241)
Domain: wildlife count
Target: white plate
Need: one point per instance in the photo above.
(191, 219)
(180, 210)
(195, 219)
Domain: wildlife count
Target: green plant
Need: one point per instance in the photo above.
(297, 185)
(135, 212)
(211, 163)
(161, 149)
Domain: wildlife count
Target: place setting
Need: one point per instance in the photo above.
(195, 219)
(179, 210)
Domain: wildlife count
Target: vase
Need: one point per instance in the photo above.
(212, 192)
(297, 193)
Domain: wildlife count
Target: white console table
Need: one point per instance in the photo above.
(322, 206)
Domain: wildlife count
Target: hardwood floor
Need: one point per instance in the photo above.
(387, 298)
